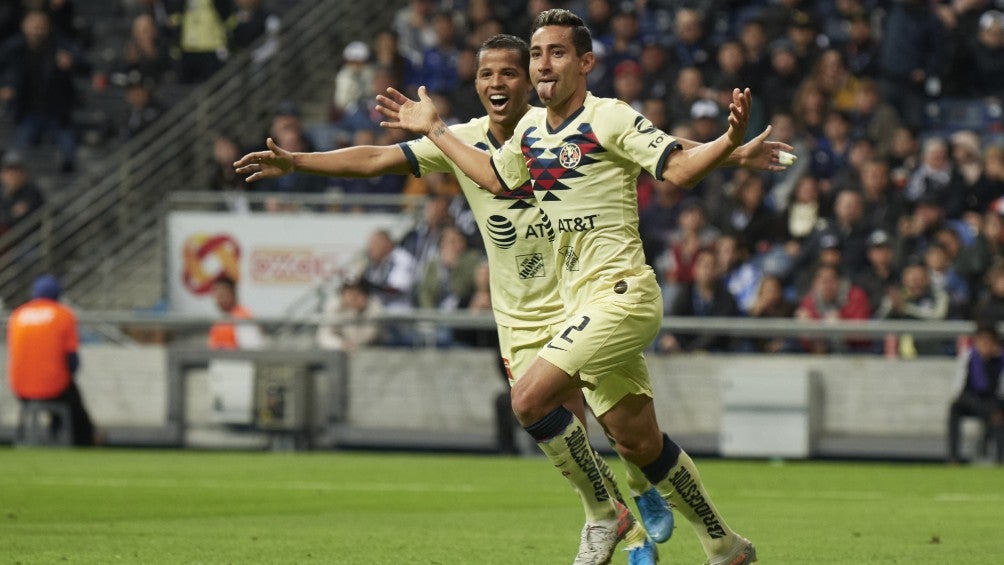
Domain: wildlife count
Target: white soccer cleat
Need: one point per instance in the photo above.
(598, 541)
(742, 553)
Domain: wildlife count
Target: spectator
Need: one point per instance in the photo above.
(803, 32)
(873, 119)
(656, 75)
(836, 82)
(706, 296)
(909, 57)
(880, 275)
(39, 68)
(803, 212)
(464, 99)
(623, 42)
(353, 311)
(782, 183)
(447, 283)
(689, 47)
(979, 390)
(389, 271)
(142, 107)
(42, 358)
(705, 118)
(729, 72)
(741, 276)
(849, 230)
(916, 230)
(882, 207)
(20, 197)
(945, 278)
(783, 78)
(145, 52)
(658, 220)
(286, 130)
(354, 80)
(628, 83)
(414, 30)
(439, 62)
(916, 299)
(991, 305)
(225, 178)
(755, 52)
(753, 224)
(833, 297)
(422, 241)
(988, 56)
(675, 267)
(904, 156)
(770, 302)
(990, 185)
(978, 189)
(232, 333)
(833, 147)
(202, 37)
(937, 179)
(399, 69)
(688, 89)
(250, 20)
(975, 259)
(861, 49)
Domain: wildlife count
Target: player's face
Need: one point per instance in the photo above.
(555, 69)
(503, 85)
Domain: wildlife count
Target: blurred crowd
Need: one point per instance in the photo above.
(76, 73)
(893, 210)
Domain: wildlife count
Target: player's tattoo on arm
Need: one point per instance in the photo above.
(438, 131)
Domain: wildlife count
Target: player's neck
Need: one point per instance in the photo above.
(556, 115)
(502, 132)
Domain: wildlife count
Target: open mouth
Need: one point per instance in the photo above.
(498, 101)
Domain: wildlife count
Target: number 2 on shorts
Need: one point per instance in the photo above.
(578, 328)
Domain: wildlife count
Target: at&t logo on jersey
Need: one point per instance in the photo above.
(501, 231)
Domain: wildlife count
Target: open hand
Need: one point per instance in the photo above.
(759, 154)
(275, 162)
(417, 116)
(739, 116)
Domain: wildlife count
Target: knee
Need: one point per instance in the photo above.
(640, 449)
(524, 404)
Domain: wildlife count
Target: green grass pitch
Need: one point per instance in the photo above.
(122, 506)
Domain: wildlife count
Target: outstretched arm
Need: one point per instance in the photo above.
(757, 154)
(420, 116)
(361, 161)
(687, 167)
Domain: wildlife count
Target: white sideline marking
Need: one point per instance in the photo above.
(867, 496)
(280, 485)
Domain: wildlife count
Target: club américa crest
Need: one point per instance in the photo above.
(569, 155)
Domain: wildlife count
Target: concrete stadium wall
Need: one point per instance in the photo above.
(870, 406)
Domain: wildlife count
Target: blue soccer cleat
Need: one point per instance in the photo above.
(646, 554)
(656, 515)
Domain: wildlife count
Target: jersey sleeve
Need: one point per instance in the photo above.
(424, 157)
(642, 143)
(509, 163)
(70, 336)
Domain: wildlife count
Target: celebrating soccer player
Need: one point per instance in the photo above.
(582, 156)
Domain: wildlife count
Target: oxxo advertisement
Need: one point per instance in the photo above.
(275, 258)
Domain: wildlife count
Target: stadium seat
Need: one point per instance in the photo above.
(35, 426)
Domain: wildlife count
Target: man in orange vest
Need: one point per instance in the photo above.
(226, 334)
(42, 355)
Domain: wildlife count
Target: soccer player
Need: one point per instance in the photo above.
(582, 156)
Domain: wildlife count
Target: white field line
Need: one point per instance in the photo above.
(866, 496)
(240, 485)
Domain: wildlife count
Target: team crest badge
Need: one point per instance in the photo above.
(569, 156)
